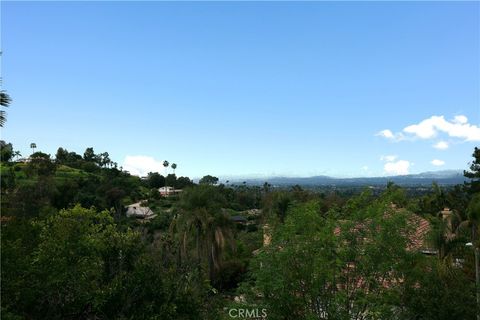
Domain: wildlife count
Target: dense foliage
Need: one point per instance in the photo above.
(69, 250)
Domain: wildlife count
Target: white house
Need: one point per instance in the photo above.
(167, 191)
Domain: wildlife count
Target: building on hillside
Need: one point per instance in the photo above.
(419, 240)
(138, 211)
(418, 237)
(168, 191)
(254, 212)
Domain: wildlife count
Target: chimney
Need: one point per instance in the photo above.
(447, 217)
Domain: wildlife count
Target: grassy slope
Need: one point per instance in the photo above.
(62, 173)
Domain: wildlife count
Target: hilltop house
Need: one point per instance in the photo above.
(168, 191)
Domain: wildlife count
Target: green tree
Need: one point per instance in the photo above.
(7, 182)
(171, 180)
(61, 156)
(183, 182)
(276, 204)
(473, 214)
(31, 200)
(17, 154)
(202, 229)
(6, 151)
(204, 237)
(72, 159)
(474, 172)
(89, 155)
(19, 238)
(155, 180)
(321, 268)
(104, 160)
(78, 264)
(40, 164)
(208, 179)
(174, 166)
(439, 291)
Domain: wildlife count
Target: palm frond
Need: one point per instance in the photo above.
(3, 118)
(4, 99)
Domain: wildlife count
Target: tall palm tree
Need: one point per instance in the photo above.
(174, 166)
(4, 102)
(203, 237)
(165, 164)
(33, 146)
(446, 238)
(17, 154)
(219, 237)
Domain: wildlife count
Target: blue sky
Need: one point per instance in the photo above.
(246, 88)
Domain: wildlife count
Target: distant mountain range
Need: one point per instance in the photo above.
(446, 177)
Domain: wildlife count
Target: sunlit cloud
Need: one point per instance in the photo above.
(457, 128)
(437, 162)
(386, 134)
(441, 145)
(389, 135)
(393, 166)
(460, 119)
(400, 167)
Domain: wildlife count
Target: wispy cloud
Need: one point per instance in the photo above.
(141, 165)
(388, 158)
(389, 135)
(386, 134)
(437, 163)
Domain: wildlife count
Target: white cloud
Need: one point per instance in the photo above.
(460, 119)
(423, 130)
(142, 165)
(389, 135)
(400, 167)
(437, 162)
(388, 158)
(441, 145)
(386, 134)
(365, 168)
(457, 128)
(430, 128)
